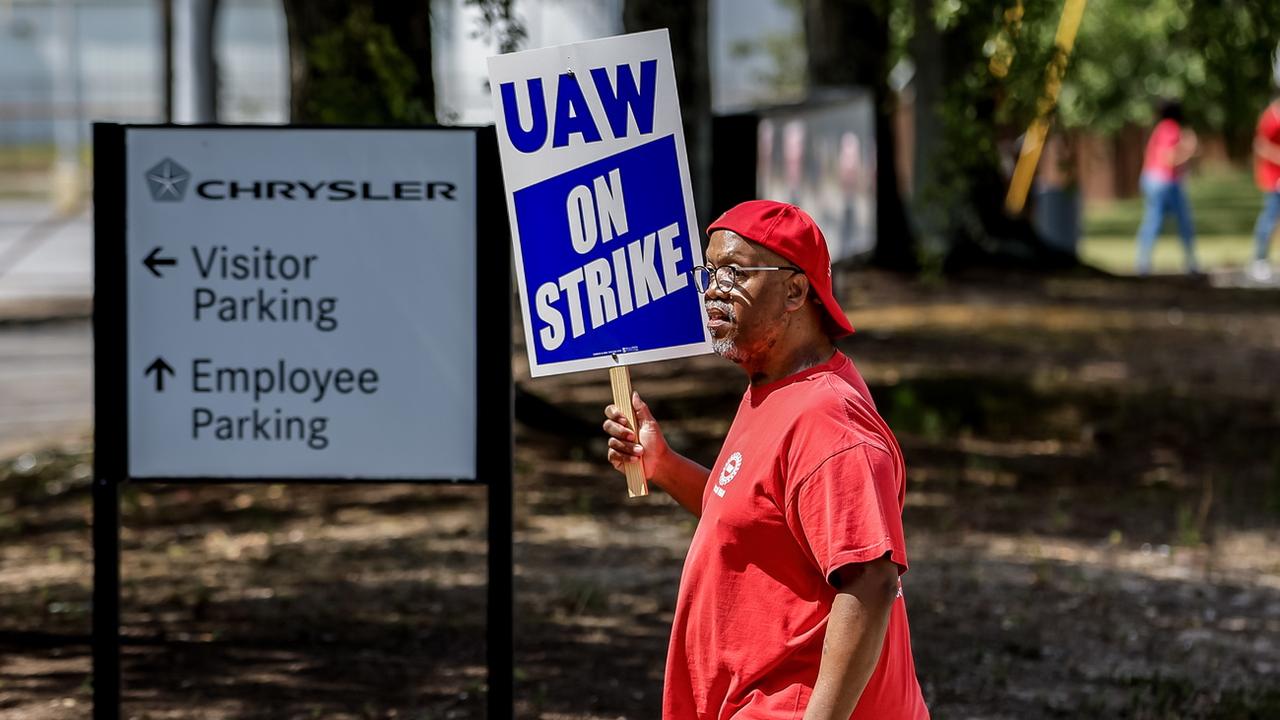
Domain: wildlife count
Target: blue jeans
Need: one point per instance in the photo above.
(1164, 197)
(1266, 225)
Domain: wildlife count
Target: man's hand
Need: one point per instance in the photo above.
(625, 447)
(855, 637)
(682, 478)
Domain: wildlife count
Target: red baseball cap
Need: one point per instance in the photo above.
(790, 232)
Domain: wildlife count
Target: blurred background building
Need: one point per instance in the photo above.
(66, 63)
(70, 62)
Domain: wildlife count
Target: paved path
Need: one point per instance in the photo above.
(46, 384)
(44, 255)
(46, 270)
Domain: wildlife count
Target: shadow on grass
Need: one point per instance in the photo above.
(316, 649)
(1016, 635)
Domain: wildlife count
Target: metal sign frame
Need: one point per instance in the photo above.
(494, 403)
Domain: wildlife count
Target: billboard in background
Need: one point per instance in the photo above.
(822, 158)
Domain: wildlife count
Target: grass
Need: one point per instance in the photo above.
(26, 171)
(1224, 206)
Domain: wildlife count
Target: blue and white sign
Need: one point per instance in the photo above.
(602, 213)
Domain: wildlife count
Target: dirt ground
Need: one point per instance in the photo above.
(1093, 517)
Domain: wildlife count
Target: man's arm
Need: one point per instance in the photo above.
(1186, 148)
(855, 636)
(1266, 150)
(682, 478)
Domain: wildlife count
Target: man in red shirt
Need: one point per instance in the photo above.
(1169, 149)
(790, 604)
(1266, 171)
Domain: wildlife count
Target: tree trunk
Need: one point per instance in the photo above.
(958, 199)
(848, 44)
(360, 62)
(687, 24)
(926, 86)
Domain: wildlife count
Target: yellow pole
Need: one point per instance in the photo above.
(1033, 141)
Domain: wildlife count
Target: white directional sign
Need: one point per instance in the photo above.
(301, 303)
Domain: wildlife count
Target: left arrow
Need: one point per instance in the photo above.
(153, 260)
(159, 368)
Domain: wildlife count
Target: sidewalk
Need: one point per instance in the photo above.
(46, 369)
(46, 262)
(46, 386)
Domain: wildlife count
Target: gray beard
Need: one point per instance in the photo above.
(727, 349)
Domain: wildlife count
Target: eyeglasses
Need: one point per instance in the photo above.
(728, 276)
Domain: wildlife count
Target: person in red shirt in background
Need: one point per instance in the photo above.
(1169, 150)
(790, 603)
(1266, 171)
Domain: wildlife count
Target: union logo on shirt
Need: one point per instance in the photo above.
(730, 470)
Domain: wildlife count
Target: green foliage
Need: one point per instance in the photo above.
(360, 76)
(995, 61)
(1236, 39)
(1127, 55)
(992, 60)
(1213, 54)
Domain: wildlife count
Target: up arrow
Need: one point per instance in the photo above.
(159, 368)
(153, 260)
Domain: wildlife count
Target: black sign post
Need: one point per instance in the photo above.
(494, 408)
(110, 397)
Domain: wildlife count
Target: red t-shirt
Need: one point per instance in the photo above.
(1164, 138)
(1265, 172)
(810, 479)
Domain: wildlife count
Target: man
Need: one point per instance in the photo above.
(790, 604)
(1266, 151)
(1169, 150)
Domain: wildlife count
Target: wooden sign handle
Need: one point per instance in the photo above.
(620, 380)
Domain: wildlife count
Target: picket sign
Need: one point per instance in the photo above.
(602, 219)
(620, 382)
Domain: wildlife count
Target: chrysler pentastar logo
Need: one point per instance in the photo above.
(168, 181)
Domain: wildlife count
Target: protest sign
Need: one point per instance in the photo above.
(598, 188)
(601, 207)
